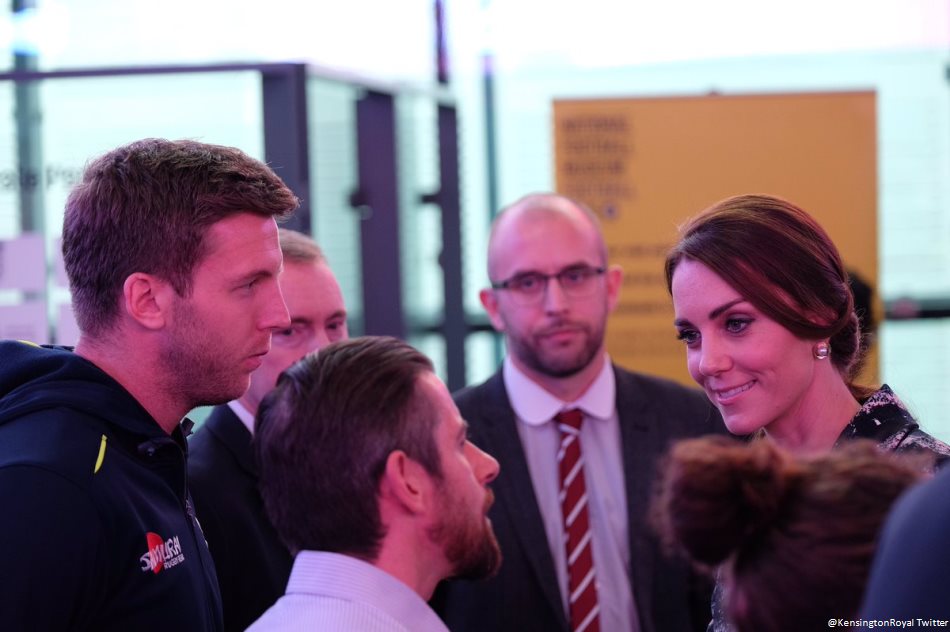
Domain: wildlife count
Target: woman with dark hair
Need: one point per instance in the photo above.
(762, 303)
(794, 537)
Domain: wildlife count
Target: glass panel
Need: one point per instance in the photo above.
(481, 353)
(336, 225)
(917, 369)
(433, 345)
(421, 224)
(333, 151)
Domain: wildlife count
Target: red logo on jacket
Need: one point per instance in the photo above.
(161, 553)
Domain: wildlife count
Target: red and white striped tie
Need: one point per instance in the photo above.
(581, 580)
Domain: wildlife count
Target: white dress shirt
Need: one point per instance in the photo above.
(329, 591)
(535, 409)
(243, 414)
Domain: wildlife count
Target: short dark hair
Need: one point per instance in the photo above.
(145, 207)
(780, 259)
(796, 535)
(323, 436)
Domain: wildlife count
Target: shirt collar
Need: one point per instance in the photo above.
(535, 406)
(348, 578)
(243, 414)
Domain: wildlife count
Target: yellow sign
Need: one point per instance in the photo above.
(646, 165)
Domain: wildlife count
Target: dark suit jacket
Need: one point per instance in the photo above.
(911, 568)
(524, 596)
(252, 564)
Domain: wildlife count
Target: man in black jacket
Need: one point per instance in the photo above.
(253, 564)
(552, 289)
(172, 256)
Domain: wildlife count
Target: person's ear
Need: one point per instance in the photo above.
(406, 482)
(147, 299)
(490, 303)
(614, 280)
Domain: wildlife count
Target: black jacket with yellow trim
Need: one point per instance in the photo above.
(97, 527)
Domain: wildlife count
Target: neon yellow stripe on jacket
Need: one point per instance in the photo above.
(102, 455)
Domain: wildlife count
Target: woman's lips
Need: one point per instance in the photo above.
(728, 395)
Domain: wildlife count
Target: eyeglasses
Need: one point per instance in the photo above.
(529, 288)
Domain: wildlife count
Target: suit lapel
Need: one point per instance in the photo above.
(228, 429)
(515, 495)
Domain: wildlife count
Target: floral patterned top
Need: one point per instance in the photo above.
(885, 419)
(882, 418)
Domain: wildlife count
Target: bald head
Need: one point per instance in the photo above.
(529, 214)
(555, 336)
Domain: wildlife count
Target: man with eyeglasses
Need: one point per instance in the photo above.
(577, 439)
(252, 563)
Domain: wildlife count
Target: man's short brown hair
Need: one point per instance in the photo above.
(324, 434)
(145, 207)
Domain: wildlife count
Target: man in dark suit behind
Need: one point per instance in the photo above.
(252, 563)
(552, 290)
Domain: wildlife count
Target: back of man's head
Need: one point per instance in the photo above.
(145, 207)
(324, 435)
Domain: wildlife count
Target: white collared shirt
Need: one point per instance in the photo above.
(535, 409)
(243, 414)
(330, 591)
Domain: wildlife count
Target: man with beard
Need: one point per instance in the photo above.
(172, 256)
(578, 439)
(252, 563)
(368, 476)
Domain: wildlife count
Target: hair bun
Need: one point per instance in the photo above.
(715, 493)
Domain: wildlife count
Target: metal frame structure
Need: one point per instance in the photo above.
(287, 151)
